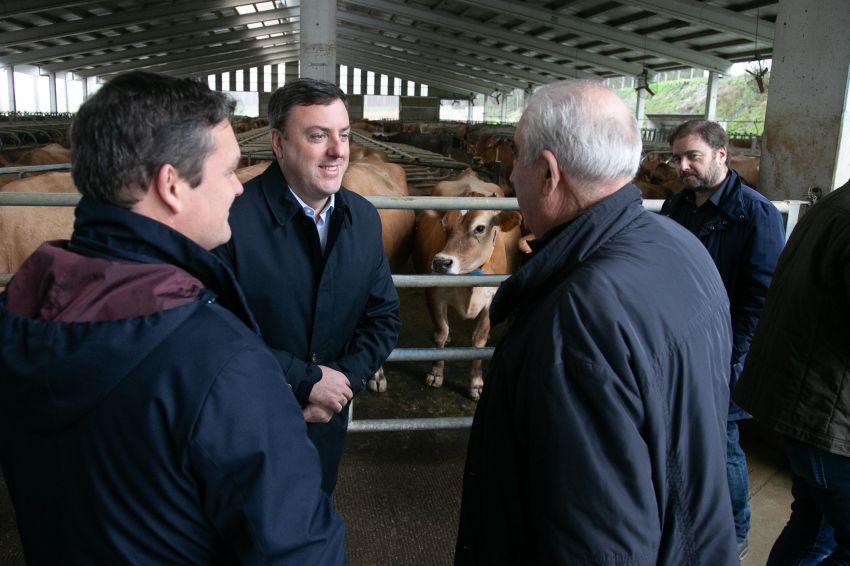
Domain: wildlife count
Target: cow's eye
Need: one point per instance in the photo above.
(478, 229)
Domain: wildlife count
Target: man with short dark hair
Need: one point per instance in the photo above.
(142, 419)
(309, 256)
(744, 234)
(599, 435)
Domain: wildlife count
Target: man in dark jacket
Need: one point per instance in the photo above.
(795, 381)
(142, 419)
(744, 234)
(309, 257)
(599, 438)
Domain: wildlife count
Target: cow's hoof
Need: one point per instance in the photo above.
(475, 392)
(434, 380)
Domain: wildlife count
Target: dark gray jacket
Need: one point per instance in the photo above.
(795, 379)
(600, 437)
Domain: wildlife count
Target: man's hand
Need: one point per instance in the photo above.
(316, 413)
(333, 391)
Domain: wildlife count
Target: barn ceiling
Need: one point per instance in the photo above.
(460, 46)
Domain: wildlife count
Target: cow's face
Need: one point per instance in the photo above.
(471, 238)
(313, 150)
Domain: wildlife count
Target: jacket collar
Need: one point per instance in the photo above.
(110, 232)
(283, 205)
(731, 204)
(564, 247)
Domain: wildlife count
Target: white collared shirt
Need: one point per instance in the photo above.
(322, 221)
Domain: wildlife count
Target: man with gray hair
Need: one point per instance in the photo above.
(600, 435)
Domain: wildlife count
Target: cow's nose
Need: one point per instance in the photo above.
(441, 264)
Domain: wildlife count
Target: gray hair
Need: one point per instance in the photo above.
(591, 141)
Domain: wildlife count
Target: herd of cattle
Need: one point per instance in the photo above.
(448, 242)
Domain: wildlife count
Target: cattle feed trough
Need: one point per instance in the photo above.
(791, 208)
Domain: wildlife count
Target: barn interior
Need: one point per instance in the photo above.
(400, 481)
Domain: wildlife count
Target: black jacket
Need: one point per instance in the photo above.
(341, 311)
(744, 238)
(600, 436)
(795, 380)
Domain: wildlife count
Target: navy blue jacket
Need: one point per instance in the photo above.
(170, 438)
(600, 437)
(744, 239)
(341, 311)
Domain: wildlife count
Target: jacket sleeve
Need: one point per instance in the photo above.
(300, 375)
(760, 253)
(258, 472)
(377, 332)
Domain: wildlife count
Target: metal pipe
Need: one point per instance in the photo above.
(433, 354)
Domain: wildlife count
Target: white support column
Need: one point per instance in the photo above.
(711, 96)
(51, 81)
(640, 108)
(318, 39)
(10, 74)
(503, 116)
(807, 127)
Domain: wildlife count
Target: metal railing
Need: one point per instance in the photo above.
(793, 209)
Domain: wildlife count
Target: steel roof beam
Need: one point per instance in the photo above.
(13, 8)
(403, 66)
(193, 67)
(452, 67)
(201, 41)
(112, 21)
(61, 51)
(463, 90)
(513, 38)
(609, 35)
(712, 16)
(200, 56)
(536, 65)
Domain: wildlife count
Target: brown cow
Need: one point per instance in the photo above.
(370, 176)
(464, 242)
(747, 167)
(24, 228)
(499, 150)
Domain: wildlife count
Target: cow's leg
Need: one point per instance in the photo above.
(479, 339)
(439, 317)
(377, 383)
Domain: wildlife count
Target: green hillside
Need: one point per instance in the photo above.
(739, 102)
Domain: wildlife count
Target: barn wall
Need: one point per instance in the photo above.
(419, 109)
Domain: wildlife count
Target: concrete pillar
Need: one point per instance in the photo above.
(318, 39)
(290, 71)
(711, 96)
(275, 76)
(470, 102)
(807, 126)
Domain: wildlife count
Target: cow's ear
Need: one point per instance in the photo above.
(507, 220)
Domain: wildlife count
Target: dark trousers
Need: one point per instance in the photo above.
(818, 531)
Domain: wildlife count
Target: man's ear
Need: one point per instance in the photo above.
(553, 172)
(723, 154)
(168, 184)
(276, 138)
